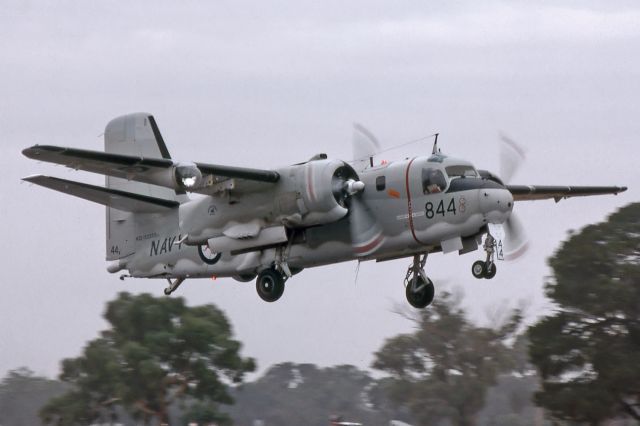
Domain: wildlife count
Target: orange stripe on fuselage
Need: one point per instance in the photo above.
(393, 193)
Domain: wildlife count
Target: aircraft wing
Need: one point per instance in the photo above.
(540, 192)
(117, 199)
(157, 171)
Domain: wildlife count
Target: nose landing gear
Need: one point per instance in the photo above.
(419, 288)
(487, 268)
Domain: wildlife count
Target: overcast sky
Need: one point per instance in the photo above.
(263, 84)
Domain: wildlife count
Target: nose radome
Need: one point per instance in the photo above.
(496, 204)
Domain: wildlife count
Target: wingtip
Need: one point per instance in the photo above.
(34, 151)
(30, 152)
(32, 178)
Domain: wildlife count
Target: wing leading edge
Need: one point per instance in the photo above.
(137, 168)
(540, 192)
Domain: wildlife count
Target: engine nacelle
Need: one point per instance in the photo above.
(323, 188)
(184, 176)
(187, 176)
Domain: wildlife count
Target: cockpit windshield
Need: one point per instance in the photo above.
(461, 171)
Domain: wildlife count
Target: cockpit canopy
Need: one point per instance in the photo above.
(439, 170)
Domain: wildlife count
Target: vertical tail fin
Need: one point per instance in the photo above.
(132, 134)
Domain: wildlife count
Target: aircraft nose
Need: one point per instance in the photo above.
(496, 204)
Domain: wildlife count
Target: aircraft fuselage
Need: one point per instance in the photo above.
(412, 218)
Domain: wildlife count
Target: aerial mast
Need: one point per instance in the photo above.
(435, 145)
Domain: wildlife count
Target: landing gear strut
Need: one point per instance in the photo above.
(173, 285)
(486, 269)
(270, 285)
(419, 288)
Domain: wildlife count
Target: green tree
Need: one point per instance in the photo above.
(588, 351)
(156, 352)
(305, 394)
(443, 369)
(22, 394)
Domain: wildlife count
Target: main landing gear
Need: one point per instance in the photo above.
(419, 288)
(487, 268)
(270, 284)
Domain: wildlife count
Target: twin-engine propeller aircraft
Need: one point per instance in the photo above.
(269, 225)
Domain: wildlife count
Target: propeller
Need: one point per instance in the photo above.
(366, 234)
(515, 242)
(512, 156)
(365, 146)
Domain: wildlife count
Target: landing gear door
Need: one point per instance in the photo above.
(497, 231)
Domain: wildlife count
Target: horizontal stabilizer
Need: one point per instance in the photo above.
(117, 199)
(539, 192)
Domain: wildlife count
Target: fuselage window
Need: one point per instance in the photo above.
(433, 181)
(381, 183)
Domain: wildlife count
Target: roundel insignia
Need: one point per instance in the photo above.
(209, 257)
(463, 205)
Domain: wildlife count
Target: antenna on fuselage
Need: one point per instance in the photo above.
(435, 145)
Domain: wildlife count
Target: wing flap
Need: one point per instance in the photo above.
(540, 192)
(121, 200)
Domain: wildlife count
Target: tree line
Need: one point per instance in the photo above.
(163, 362)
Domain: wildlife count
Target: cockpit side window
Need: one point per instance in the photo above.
(433, 181)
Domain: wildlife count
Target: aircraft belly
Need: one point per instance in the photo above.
(323, 245)
(435, 218)
(180, 260)
(186, 262)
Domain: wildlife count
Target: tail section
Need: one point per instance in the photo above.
(137, 134)
(132, 134)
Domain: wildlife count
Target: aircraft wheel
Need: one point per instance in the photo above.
(422, 298)
(478, 269)
(490, 271)
(270, 285)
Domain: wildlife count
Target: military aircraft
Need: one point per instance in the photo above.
(176, 220)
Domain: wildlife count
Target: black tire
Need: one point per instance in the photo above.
(478, 269)
(270, 285)
(490, 271)
(423, 298)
